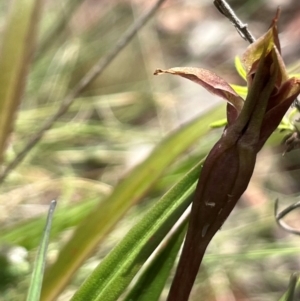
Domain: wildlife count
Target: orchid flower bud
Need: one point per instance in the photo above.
(229, 165)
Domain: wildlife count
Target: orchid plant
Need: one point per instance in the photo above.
(229, 165)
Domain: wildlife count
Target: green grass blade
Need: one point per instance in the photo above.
(39, 266)
(240, 68)
(129, 191)
(240, 90)
(17, 45)
(115, 272)
(28, 233)
(152, 281)
(289, 294)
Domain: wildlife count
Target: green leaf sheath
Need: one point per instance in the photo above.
(119, 267)
(152, 281)
(130, 190)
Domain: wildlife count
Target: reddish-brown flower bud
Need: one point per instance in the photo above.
(229, 165)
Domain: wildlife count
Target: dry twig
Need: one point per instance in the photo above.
(280, 215)
(225, 9)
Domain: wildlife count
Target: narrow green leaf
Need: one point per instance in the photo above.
(17, 45)
(27, 234)
(152, 281)
(39, 265)
(115, 272)
(240, 68)
(129, 191)
(289, 294)
(218, 123)
(240, 90)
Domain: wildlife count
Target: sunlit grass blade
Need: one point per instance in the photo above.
(150, 284)
(239, 67)
(16, 50)
(289, 294)
(218, 123)
(115, 272)
(240, 90)
(129, 191)
(39, 265)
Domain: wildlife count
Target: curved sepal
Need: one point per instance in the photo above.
(210, 81)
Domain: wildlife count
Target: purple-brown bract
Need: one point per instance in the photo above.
(229, 165)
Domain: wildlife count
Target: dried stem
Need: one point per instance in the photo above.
(280, 215)
(225, 9)
(83, 83)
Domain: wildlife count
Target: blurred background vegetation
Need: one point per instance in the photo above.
(120, 117)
